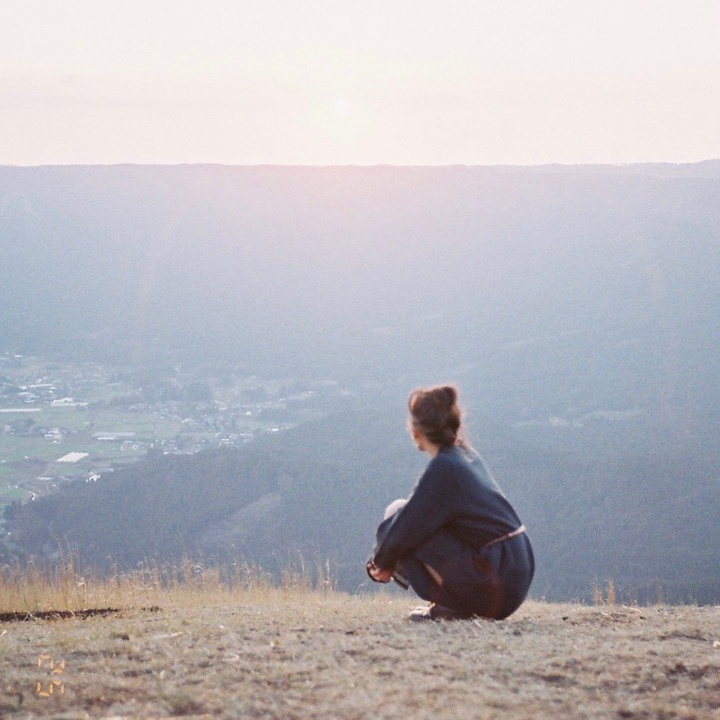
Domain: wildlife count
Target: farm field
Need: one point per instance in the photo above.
(49, 411)
(104, 436)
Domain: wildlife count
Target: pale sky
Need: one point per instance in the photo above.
(318, 82)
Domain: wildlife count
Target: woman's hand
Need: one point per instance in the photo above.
(378, 574)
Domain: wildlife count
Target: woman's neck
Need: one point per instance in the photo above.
(431, 448)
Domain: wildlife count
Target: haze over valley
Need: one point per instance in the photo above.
(238, 344)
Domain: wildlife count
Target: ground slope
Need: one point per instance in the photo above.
(318, 656)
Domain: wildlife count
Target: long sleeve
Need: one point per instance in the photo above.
(456, 492)
(427, 510)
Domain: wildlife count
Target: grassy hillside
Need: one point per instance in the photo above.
(296, 654)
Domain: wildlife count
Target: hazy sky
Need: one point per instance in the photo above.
(377, 81)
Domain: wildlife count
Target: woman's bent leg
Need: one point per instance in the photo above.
(393, 507)
(420, 579)
(490, 583)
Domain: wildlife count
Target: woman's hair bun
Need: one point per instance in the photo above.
(435, 412)
(450, 392)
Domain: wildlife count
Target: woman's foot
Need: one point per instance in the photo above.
(437, 612)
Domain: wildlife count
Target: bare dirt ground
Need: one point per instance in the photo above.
(314, 655)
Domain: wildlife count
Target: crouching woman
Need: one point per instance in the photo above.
(456, 540)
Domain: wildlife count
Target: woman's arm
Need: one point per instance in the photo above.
(378, 574)
(426, 511)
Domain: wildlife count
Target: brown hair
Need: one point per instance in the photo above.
(436, 414)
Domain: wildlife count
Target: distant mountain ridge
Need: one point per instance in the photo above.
(142, 262)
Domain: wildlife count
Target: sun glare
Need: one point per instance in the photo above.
(343, 107)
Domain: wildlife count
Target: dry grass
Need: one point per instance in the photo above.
(34, 590)
(292, 652)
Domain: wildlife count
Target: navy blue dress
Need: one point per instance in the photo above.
(450, 522)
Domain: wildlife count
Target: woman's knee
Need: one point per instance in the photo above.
(393, 507)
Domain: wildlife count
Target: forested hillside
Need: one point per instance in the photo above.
(311, 495)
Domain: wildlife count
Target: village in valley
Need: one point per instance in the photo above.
(63, 422)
